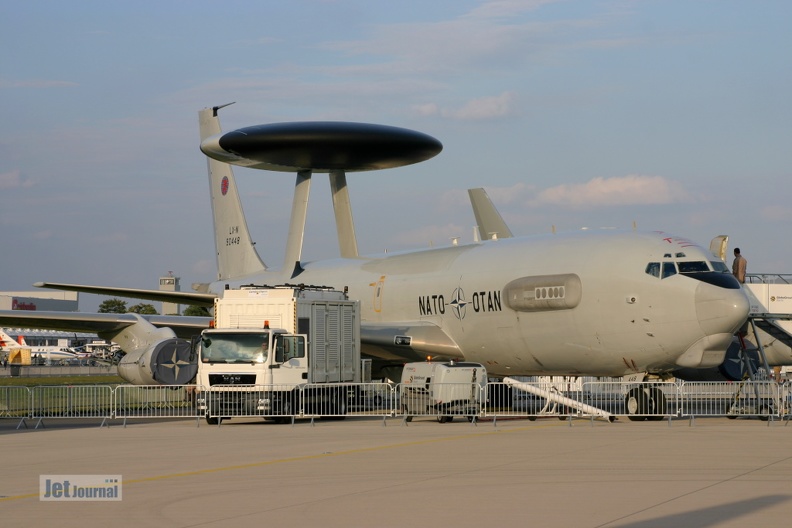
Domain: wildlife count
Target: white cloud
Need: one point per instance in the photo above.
(776, 213)
(481, 108)
(13, 180)
(485, 107)
(506, 8)
(626, 190)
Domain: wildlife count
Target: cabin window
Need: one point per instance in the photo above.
(719, 266)
(669, 269)
(692, 267)
(653, 269)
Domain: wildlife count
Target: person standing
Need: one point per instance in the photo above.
(739, 265)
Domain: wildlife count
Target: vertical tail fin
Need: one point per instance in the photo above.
(236, 254)
(8, 342)
(489, 220)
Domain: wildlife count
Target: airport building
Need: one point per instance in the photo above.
(61, 301)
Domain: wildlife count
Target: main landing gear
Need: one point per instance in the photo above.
(645, 402)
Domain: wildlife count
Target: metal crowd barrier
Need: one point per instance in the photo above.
(71, 401)
(763, 399)
(284, 403)
(15, 403)
(155, 401)
(511, 399)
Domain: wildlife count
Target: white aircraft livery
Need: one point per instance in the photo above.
(45, 353)
(607, 303)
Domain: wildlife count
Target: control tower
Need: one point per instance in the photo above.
(170, 283)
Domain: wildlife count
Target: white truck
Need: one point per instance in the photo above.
(279, 352)
(443, 390)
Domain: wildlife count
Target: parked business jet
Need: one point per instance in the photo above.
(608, 303)
(49, 354)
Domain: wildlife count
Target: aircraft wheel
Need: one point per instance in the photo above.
(635, 403)
(656, 404)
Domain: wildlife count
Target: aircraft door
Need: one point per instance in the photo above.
(379, 287)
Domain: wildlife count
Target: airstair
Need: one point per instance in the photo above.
(770, 318)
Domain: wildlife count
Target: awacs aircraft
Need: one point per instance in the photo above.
(588, 303)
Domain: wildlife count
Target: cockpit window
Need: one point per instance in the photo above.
(668, 269)
(653, 269)
(720, 266)
(692, 267)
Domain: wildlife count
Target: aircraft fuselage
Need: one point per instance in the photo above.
(585, 303)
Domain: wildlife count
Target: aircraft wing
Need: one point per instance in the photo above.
(184, 327)
(197, 299)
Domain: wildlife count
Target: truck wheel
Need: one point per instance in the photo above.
(212, 420)
(445, 419)
(339, 409)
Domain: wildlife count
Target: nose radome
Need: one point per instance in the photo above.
(720, 310)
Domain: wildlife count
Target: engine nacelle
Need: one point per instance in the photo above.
(154, 356)
(167, 362)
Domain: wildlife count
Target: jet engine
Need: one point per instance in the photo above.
(154, 356)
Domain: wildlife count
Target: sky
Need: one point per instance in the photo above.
(660, 115)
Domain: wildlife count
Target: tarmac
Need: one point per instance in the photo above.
(366, 472)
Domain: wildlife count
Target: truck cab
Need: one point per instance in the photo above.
(249, 356)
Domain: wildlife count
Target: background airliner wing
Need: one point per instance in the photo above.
(198, 299)
(184, 327)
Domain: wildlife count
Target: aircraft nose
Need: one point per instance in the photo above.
(720, 310)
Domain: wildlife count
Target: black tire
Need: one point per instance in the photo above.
(656, 404)
(445, 419)
(286, 410)
(339, 409)
(213, 420)
(635, 404)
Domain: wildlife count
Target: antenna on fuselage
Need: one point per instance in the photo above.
(310, 147)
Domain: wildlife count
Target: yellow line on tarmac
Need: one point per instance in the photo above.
(303, 458)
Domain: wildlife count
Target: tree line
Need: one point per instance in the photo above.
(116, 305)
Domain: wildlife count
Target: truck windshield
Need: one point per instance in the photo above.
(235, 347)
